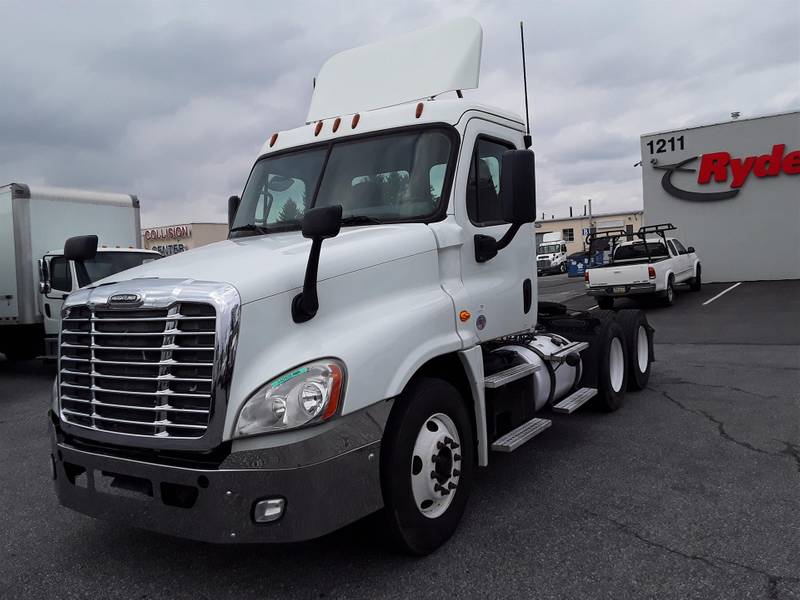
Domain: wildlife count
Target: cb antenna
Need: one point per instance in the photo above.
(527, 137)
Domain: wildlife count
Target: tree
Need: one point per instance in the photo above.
(289, 212)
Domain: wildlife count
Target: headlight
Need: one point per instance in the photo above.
(308, 394)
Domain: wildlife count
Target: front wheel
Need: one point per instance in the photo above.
(427, 463)
(696, 283)
(562, 268)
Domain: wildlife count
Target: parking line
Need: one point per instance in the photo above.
(595, 306)
(710, 300)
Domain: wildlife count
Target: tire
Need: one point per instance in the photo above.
(639, 345)
(420, 516)
(612, 367)
(668, 296)
(563, 268)
(697, 281)
(605, 302)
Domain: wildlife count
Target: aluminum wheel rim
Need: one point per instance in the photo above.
(616, 364)
(436, 465)
(642, 348)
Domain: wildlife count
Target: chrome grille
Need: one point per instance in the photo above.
(145, 371)
(543, 264)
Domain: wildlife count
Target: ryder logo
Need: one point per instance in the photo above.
(722, 167)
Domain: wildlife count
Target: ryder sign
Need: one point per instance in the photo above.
(722, 167)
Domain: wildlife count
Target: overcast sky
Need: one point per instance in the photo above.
(171, 101)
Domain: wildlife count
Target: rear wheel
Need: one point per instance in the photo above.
(668, 296)
(639, 343)
(427, 463)
(613, 367)
(605, 302)
(696, 283)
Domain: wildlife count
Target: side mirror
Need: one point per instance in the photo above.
(80, 248)
(517, 197)
(690, 249)
(518, 187)
(318, 224)
(233, 206)
(44, 277)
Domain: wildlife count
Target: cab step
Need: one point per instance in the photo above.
(561, 356)
(514, 439)
(502, 378)
(575, 400)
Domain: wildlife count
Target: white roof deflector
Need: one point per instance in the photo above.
(437, 59)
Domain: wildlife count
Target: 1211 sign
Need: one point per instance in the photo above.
(659, 146)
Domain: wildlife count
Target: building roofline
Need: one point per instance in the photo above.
(703, 125)
(594, 216)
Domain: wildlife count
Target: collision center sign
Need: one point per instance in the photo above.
(175, 232)
(722, 167)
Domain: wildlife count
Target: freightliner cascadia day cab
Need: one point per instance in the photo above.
(364, 339)
(33, 221)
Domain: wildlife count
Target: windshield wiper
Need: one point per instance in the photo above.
(250, 227)
(361, 220)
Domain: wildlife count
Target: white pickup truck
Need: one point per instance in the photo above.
(651, 265)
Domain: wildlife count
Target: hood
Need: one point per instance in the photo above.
(266, 265)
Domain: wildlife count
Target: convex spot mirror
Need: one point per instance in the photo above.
(518, 187)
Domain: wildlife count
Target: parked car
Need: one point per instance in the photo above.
(648, 263)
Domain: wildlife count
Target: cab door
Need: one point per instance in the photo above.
(502, 290)
(60, 278)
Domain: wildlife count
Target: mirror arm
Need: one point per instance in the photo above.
(486, 247)
(306, 304)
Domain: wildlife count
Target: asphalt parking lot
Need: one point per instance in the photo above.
(690, 490)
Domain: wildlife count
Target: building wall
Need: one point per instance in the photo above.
(749, 234)
(172, 239)
(579, 224)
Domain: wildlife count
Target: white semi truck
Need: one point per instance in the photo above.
(551, 255)
(365, 338)
(34, 278)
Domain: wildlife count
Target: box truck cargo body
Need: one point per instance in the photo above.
(33, 221)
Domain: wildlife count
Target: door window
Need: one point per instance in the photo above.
(60, 275)
(672, 248)
(483, 184)
(679, 247)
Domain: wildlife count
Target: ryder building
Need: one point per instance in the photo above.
(733, 190)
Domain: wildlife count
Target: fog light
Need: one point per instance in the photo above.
(266, 511)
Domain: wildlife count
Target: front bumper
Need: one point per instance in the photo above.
(216, 504)
(629, 290)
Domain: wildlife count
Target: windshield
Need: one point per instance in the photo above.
(105, 264)
(394, 177)
(549, 248)
(637, 250)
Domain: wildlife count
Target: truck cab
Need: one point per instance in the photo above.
(58, 278)
(365, 337)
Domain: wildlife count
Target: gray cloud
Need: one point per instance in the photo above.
(173, 101)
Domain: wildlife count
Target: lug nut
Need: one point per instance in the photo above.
(440, 446)
(451, 486)
(456, 457)
(456, 472)
(433, 475)
(445, 492)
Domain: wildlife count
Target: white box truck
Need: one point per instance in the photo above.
(34, 277)
(551, 255)
(364, 339)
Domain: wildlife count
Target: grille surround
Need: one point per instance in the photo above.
(154, 374)
(543, 263)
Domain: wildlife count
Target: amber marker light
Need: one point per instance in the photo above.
(336, 391)
(318, 128)
(420, 106)
(336, 123)
(273, 139)
(464, 315)
(356, 119)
